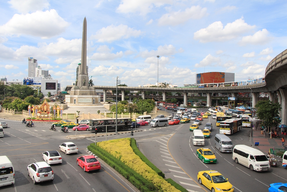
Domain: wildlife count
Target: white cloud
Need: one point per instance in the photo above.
(260, 37)
(26, 51)
(46, 66)
(219, 52)
(252, 54)
(208, 60)
(227, 8)
(231, 69)
(268, 58)
(142, 7)
(216, 31)
(61, 73)
(64, 47)
(266, 51)
(128, 52)
(11, 67)
(104, 53)
(149, 22)
(113, 33)
(26, 6)
(212, 1)
(248, 63)
(65, 60)
(6, 52)
(40, 24)
(176, 18)
(259, 69)
(161, 51)
(161, 61)
(106, 71)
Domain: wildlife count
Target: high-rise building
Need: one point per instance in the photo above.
(32, 65)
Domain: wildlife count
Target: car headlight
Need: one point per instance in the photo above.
(218, 189)
(205, 158)
(257, 165)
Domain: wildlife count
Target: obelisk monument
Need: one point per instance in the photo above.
(83, 93)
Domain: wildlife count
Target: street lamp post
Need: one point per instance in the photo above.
(117, 82)
(157, 69)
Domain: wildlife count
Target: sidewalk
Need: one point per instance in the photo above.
(265, 143)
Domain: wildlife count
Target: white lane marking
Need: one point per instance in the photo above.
(149, 129)
(35, 160)
(144, 130)
(65, 174)
(262, 182)
(190, 184)
(176, 171)
(164, 139)
(164, 153)
(182, 177)
(72, 166)
(279, 176)
(15, 188)
(12, 134)
(93, 189)
(166, 157)
(1, 140)
(35, 130)
(228, 162)
(164, 144)
(237, 189)
(24, 140)
(84, 179)
(243, 171)
(169, 161)
(165, 150)
(191, 190)
(172, 166)
(44, 130)
(56, 187)
(7, 143)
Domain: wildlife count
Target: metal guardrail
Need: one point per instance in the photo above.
(276, 62)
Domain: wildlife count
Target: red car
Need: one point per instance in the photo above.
(174, 122)
(88, 163)
(82, 127)
(199, 118)
(143, 122)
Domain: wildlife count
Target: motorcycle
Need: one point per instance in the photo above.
(53, 128)
(65, 129)
(30, 124)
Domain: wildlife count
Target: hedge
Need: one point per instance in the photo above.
(176, 185)
(144, 159)
(136, 179)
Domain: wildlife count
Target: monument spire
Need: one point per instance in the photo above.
(84, 48)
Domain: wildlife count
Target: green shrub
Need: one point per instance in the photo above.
(176, 185)
(144, 159)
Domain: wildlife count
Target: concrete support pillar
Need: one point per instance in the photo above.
(104, 96)
(185, 99)
(234, 94)
(216, 102)
(163, 96)
(208, 99)
(123, 95)
(143, 95)
(280, 102)
(255, 97)
(283, 93)
(271, 96)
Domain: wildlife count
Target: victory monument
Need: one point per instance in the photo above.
(82, 92)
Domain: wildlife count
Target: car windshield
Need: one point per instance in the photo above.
(198, 137)
(153, 121)
(6, 170)
(283, 188)
(45, 169)
(71, 145)
(53, 153)
(207, 153)
(204, 131)
(196, 121)
(261, 158)
(91, 160)
(218, 179)
(226, 142)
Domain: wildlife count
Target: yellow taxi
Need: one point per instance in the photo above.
(207, 113)
(217, 124)
(206, 155)
(193, 127)
(214, 181)
(206, 133)
(185, 120)
(204, 116)
(65, 123)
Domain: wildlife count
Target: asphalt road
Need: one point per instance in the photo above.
(169, 148)
(25, 145)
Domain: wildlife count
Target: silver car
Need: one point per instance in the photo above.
(197, 122)
(3, 124)
(208, 126)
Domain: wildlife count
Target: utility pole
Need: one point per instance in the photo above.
(117, 104)
(157, 70)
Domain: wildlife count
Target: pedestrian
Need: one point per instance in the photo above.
(283, 141)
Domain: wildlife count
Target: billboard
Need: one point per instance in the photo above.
(214, 77)
(50, 86)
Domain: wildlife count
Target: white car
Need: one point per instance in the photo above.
(197, 122)
(52, 157)
(68, 147)
(213, 116)
(193, 117)
(40, 171)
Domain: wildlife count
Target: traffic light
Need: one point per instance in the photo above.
(96, 130)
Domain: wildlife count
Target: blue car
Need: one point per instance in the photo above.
(278, 187)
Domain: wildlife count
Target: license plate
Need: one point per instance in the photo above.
(72, 148)
(2, 179)
(94, 165)
(211, 161)
(46, 175)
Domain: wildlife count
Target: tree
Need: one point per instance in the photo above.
(49, 94)
(268, 112)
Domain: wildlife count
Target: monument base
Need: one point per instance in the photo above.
(83, 100)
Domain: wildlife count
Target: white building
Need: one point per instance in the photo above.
(32, 65)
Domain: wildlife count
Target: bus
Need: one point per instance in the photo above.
(220, 116)
(123, 124)
(246, 121)
(230, 126)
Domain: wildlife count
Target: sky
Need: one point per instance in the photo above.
(126, 36)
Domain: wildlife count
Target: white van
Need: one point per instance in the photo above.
(1, 132)
(198, 137)
(250, 157)
(144, 117)
(284, 160)
(223, 143)
(7, 174)
(159, 122)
